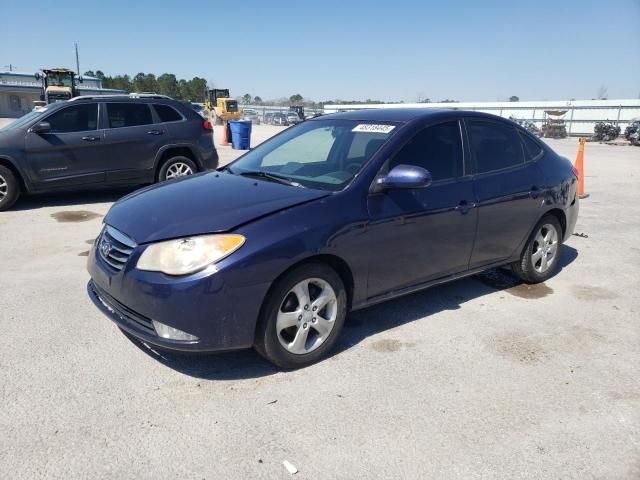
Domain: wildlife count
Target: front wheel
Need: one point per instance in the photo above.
(9, 188)
(539, 259)
(302, 316)
(176, 167)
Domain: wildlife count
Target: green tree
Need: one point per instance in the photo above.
(257, 100)
(195, 89)
(514, 98)
(297, 98)
(89, 73)
(183, 89)
(168, 85)
(145, 82)
(246, 99)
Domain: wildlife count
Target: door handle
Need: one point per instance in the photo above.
(534, 192)
(90, 138)
(463, 207)
(155, 132)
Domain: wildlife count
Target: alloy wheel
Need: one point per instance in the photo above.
(545, 248)
(307, 316)
(4, 188)
(178, 169)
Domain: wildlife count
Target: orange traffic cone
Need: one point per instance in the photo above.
(579, 166)
(225, 133)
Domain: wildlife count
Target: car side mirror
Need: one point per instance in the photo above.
(405, 176)
(42, 127)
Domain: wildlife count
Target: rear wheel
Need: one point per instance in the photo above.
(177, 167)
(539, 260)
(302, 317)
(9, 188)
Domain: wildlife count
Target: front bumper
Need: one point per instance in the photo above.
(205, 304)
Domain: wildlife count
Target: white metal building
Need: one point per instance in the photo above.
(18, 91)
(580, 116)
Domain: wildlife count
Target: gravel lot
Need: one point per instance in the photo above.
(481, 378)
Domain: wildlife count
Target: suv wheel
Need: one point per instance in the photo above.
(9, 188)
(177, 167)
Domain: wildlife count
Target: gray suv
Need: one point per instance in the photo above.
(102, 141)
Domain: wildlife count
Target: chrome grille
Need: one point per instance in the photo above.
(115, 247)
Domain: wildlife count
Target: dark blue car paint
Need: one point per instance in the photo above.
(383, 244)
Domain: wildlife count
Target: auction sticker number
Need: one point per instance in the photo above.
(372, 128)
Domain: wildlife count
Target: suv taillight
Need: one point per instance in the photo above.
(207, 125)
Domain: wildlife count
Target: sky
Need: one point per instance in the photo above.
(330, 49)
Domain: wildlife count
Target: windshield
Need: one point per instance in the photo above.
(59, 79)
(25, 119)
(324, 154)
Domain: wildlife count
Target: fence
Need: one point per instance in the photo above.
(580, 117)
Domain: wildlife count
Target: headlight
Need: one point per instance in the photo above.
(188, 255)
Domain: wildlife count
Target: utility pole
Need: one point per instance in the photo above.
(77, 60)
(11, 67)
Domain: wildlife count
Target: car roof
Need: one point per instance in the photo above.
(402, 114)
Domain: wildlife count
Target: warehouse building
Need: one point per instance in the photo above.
(580, 116)
(18, 91)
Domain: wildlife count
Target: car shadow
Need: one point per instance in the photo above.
(77, 197)
(244, 364)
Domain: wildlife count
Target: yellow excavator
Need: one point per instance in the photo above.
(58, 84)
(220, 106)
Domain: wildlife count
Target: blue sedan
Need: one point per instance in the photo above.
(332, 215)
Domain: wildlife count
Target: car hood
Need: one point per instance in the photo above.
(205, 203)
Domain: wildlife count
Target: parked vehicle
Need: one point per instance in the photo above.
(58, 85)
(299, 110)
(220, 107)
(632, 132)
(279, 119)
(554, 125)
(605, 132)
(293, 118)
(334, 214)
(102, 141)
(268, 118)
(253, 115)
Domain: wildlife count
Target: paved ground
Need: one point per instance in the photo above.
(482, 378)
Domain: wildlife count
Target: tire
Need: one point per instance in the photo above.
(540, 257)
(9, 188)
(292, 336)
(176, 167)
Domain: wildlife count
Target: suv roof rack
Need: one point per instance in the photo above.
(148, 95)
(120, 96)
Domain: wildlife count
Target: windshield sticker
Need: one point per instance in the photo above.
(371, 128)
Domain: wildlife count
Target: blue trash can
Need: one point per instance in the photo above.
(240, 134)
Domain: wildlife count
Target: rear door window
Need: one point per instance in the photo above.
(167, 113)
(79, 118)
(494, 146)
(532, 150)
(128, 114)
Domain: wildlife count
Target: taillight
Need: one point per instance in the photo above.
(207, 125)
(575, 171)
